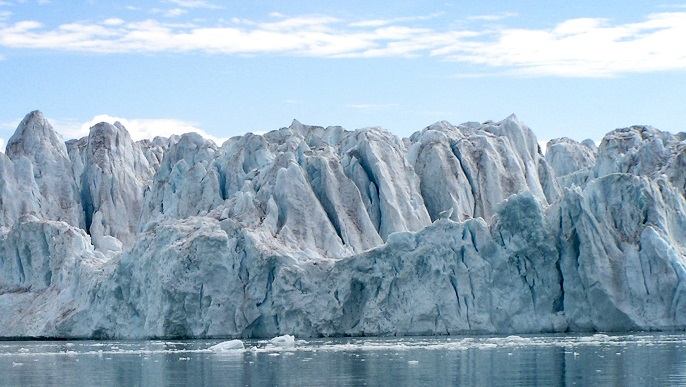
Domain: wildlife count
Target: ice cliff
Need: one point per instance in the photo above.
(317, 231)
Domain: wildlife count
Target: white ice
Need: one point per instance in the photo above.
(309, 231)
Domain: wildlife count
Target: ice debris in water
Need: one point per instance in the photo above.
(283, 341)
(228, 346)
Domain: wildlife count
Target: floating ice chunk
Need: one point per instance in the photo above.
(227, 346)
(283, 341)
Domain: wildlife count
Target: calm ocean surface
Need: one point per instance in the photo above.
(640, 359)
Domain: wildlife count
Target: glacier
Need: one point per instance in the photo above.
(311, 231)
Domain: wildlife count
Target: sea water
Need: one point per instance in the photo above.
(595, 359)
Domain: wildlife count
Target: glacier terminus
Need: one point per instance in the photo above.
(312, 231)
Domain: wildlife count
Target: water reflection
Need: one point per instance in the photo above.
(551, 360)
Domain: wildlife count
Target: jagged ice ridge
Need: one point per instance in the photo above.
(315, 231)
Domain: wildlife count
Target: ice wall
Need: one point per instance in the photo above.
(321, 231)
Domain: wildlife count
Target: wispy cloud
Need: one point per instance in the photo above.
(113, 22)
(384, 22)
(4, 15)
(586, 47)
(10, 126)
(477, 75)
(194, 4)
(493, 17)
(175, 12)
(370, 23)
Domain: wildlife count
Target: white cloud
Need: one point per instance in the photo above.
(175, 12)
(543, 144)
(194, 4)
(9, 126)
(494, 17)
(4, 15)
(584, 47)
(7, 129)
(385, 22)
(474, 75)
(113, 22)
(138, 128)
(371, 23)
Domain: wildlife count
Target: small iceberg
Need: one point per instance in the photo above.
(283, 341)
(227, 346)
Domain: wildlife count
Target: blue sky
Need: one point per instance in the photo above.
(577, 69)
